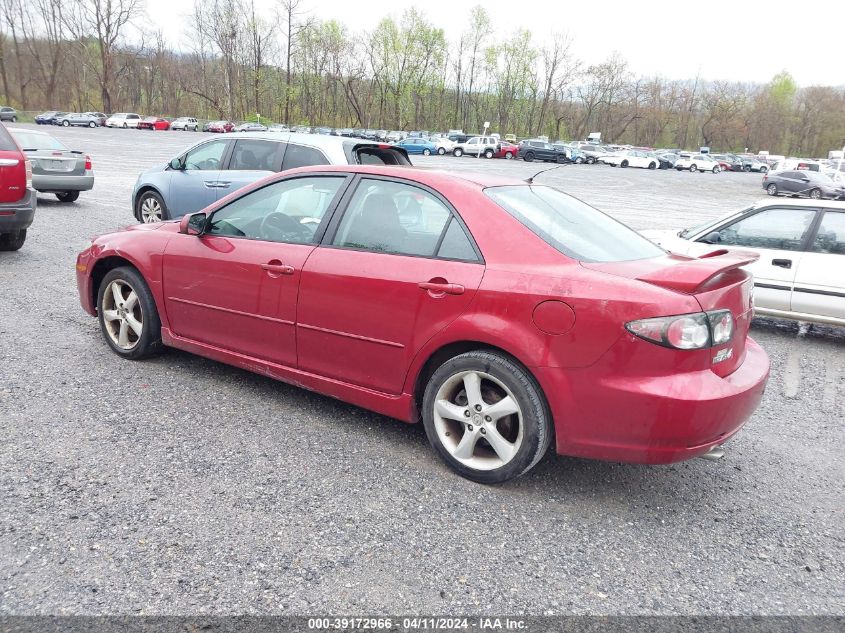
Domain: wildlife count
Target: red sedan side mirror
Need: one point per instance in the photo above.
(193, 224)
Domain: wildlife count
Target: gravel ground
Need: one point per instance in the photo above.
(183, 486)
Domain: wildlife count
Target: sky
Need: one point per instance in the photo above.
(731, 40)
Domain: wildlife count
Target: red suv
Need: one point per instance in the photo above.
(17, 198)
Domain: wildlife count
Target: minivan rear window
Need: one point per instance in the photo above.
(6, 142)
(572, 227)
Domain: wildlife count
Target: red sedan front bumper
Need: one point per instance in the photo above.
(651, 419)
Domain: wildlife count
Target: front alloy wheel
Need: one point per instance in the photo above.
(486, 417)
(151, 209)
(127, 314)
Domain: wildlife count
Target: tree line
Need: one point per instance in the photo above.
(237, 63)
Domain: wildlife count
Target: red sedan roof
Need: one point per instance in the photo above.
(431, 177)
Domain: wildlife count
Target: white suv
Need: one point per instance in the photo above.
(697, 162)
(124, 120)
(185, 123)
(477, 146)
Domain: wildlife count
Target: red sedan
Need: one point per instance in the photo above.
(507, 150)
(153, 123)
(220, 127)
(505, 316)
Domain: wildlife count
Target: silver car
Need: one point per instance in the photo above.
(185, 123)
(79, 119)
(215, 167)
(55, 168)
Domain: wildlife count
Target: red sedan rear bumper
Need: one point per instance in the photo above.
(652, 419)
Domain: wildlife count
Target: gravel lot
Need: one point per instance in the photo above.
(182, 486)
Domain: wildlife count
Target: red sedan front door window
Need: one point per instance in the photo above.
(400, 267)
(235, 286)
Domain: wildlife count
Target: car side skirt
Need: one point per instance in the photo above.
(394, 406)
(798, 316)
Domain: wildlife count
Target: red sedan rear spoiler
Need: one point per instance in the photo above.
(688, 276)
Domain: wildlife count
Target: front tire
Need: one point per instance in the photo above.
(529, 157)
(590, 160)
(624, 163)
(458, 152)
(652, 166)
(693, 168)
(717, 169)
(426, 152)
(128, 316)
(68, 196)
(65, 123)
(816, 194)
(92, 124)
(151, 208)
(772, 189)
(441, 151)
(763, 170)
(488, 153)
(12, 241)
(486, 417)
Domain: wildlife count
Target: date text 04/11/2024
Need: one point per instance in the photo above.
(418, 624)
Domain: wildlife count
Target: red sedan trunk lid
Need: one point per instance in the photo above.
(715, 280)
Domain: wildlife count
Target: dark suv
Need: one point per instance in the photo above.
(17, 199)
(535, 149)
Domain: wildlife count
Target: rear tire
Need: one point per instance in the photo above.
(590, 160)
(693, 168)
(816, 194)
(426, 152)
(12, 241)
(529, 157)
(488, 153)
(763, 170)
(68, 196)
(65, 123)
(624, 163)
(458, 152)
(441, 151)
(92, 124)
(652, 166)
(746, 168)
(717, 169)
(772, 189)
(498, 440)
(508, 155)
(127, 314)
(14, 119)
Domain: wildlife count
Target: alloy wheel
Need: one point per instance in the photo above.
(150, 210)
(122, 314)
(478, 420)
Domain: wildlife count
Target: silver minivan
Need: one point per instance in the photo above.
(215, 167)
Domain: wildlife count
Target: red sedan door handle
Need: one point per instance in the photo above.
(276, 268)
(441, 288)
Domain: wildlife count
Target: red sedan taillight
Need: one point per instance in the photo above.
(686, 331)
(88, 163)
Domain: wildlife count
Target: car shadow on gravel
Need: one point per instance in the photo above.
(567, 477)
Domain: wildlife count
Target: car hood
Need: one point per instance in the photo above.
(157, 169)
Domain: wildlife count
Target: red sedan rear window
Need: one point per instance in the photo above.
(573, 227)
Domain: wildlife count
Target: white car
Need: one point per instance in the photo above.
(443, 144)
(477, 146)
(631, 158)
(124, 120)
(185, 123)
(801, 271)
(698, 162)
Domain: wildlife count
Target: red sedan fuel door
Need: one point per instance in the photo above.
(399, 269)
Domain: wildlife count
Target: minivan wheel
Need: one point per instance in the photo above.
(486, 417)
(127, 313)
(772, 189)
(12, 241)
(816, 194)
(68, 196)
(151, 208)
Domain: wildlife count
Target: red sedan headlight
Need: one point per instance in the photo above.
(686, 331)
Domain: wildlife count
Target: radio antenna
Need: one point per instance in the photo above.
(543, 171)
